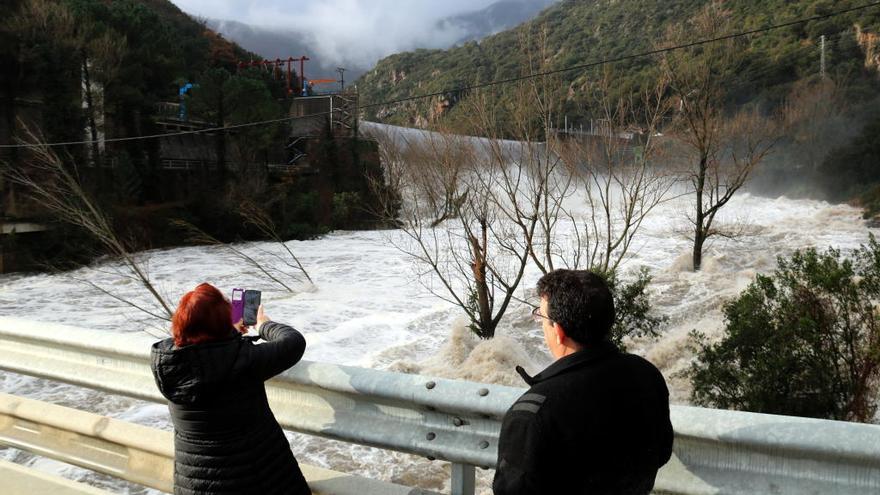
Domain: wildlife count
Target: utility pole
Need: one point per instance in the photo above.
(341, 71)
(822, 56)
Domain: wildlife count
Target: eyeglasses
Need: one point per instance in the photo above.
(537, 316)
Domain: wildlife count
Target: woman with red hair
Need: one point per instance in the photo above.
(226, 439)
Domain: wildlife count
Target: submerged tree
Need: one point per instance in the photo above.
(621, 172)
(453, 227)
(719, 152)
(619, 177)
(478, 210)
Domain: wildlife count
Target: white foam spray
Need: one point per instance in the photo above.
(368, 309)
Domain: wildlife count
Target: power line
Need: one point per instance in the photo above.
(170, 134)
(606, 61)
(459, 89)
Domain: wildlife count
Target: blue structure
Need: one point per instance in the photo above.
(183, 89)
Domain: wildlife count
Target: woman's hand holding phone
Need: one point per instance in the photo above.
(240, 326)
(261, 318)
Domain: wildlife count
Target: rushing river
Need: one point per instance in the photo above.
(367, 308)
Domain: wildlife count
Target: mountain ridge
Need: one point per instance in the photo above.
(583, 31)
(272, 42)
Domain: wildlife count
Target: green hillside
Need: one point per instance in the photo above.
(120, 80)
(138, 52)
(583, 31)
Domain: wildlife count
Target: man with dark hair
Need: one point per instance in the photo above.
(596, 421)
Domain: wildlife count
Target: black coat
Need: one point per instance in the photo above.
(226, 439)
(593, 422)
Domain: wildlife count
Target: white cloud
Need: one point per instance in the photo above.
(347, 31)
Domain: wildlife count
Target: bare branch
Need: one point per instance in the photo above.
(57, 188)
(259, 218)
(199, 236)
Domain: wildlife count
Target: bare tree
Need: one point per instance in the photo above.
(387, 187)
(453, 227)
(471, 207)
(719, 152)
(620, 172)
(435, 166)
(57, 187)
(529, 180)
(815, 122)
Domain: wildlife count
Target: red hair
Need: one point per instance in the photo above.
(203, 315)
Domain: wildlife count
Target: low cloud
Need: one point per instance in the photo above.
(354, 32)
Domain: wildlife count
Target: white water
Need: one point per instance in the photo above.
(368, 309)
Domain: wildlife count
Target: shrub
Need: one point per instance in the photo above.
(346, 205)
(634, 317)
(804, 341)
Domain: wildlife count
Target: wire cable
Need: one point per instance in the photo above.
(649, 53)
(169, 134)
(471, 87)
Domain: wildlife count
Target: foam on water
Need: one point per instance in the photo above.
(367, 308)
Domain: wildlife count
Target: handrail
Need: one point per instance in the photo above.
(715, 451)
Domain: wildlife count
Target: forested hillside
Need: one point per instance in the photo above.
(140, 53)
(771, 71)
(128, 80)
(583, 31)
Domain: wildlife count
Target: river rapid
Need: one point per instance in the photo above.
(367, 308)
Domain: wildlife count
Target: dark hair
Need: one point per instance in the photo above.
(203, 315)
(580, 302)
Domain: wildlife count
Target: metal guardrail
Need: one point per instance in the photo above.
(436, 418)
(13, 227)
(20, 480)
(715, 451)
(186, 164)
(132, 452)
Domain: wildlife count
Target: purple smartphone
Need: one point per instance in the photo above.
(244, 306)
(237, 305)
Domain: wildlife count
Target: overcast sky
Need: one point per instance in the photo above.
(347, 30)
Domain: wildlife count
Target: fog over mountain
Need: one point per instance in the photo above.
(355, 34)
(495, 18)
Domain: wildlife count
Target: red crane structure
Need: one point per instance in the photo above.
(277, 66)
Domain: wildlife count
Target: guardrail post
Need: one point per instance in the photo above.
(463, 479)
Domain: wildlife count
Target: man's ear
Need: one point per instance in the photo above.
(559, 332)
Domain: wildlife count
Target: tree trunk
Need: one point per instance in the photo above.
(486, 328)
(699, 239)
(700, 216)
(90, 110)
(221, 141)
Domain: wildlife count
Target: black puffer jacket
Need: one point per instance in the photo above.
(226, 439)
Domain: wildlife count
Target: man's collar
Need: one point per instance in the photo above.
(586, 355)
